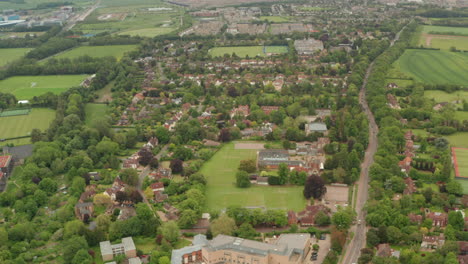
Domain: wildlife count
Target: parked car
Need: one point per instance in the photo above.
(314, 256)
(323, 237)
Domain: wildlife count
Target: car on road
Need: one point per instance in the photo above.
(323, 237)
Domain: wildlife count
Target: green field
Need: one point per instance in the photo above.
(116, 51)
(459, 139)
(148, 32)
(221, 191)
(244, 51)
(445, 30)
(94, 112)
(461, 115)
(458, 42)
(26, 87)
(441, 96)
(15, 126)
(274, 19)
(435, 67)
(462, 161)
(9, 55)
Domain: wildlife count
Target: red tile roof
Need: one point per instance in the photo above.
(5, 161)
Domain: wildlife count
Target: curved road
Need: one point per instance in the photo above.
(353, 249)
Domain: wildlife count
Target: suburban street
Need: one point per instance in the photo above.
(353, 249)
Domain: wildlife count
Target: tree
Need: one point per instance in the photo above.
(82, 257)
(177, 166)
(225, 135)
(3, 237)
(187, 218)
(314, 187)
(223, 225)
(343, 219)
(145, 156)
(162, 134)
(164, 260)
(48, 185)
(183, 153)
(103, 222)
(36, 135)
(454, 187)
(322, 219)
(101, 199)
(129, 176)
(78, 186)
(72, 246)
(248, 165)
(283, 173)
(246, 231)
(170, 231)
(242, 179)
(455, 219)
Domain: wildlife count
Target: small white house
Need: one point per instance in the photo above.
(23, 102)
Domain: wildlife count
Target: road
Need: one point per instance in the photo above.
(353, 249)
(81, 17)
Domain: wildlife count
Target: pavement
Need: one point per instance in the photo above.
(324, 247)
(353, 248)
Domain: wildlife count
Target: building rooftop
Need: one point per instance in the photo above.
(198, 242)
(317, 126)
(5, 161)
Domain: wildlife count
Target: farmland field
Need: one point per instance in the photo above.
(14, 126)
(116, 51)
(26, 87)
(243, 51)
(274, 19)
(9, 55)
(445, 30)
(221, 191)
(94, 112)
(434, 67)
(148, 32)
(442, 96)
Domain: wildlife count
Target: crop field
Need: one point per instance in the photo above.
(26, 87)
(21, 125)
(442, 96)
(434, 67)
(94, 112)
(9, 55)
(244, 51)
(445, 30)
(116, 51)
(221, 191)
(275, 19)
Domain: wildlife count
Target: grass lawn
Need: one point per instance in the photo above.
(459, 139)
(145, 244)
(221, 191)
(15, 126)
(434, 67)
(105, 94)
(464, 184)
(26, 87)
(442, 96)
(274, 19)
(461, 115)
(94, 112)
(116, 51)
(251, 51)
(148, 32)
(445, 30)
(462, 162)
(459, 42)
(9, 55)
(418, 132)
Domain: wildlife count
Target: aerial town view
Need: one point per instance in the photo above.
(237, 132)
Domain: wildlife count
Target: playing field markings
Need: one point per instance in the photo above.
(455, 163)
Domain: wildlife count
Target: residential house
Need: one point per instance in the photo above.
(268, 109)
(392, 85)
(308, 46)
(127, 248)
(463, 247)
(241, 110)
(152, 143)
(307, 216)
(438, 219)
(117, 186)
(131, 162)
(432, 242)
(287, 249)
(383, 250)
(405, 164)
(18, 153)
(161, 173)
(316, 127)
(157, 187)
(190, 254)
(410, 186)
(439, 106)
(6, 165)
(172, 213)
(414, 218)
(84, 211)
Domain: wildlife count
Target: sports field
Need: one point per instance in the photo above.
(445, 30)
(26, 87)
(244, 51)
(148, 32)
(221, 191)
(441, 96)
(435, 67)
(459, 139)
(21, 125)
(460, 160)
(94, 112)
(116, 51)
(9, 55)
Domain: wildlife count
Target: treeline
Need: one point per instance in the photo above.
(444, 13)
(7, 100)
(113, 40)
(52, 5)
(51, 47)
(29, 42)
(80, 65)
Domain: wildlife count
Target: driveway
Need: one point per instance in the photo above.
(323, 250)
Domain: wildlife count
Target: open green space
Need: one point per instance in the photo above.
(116, 51)
(274, 19)
(462, 161)
(9, 55)
(221, 191)
(459, 139)
(442, 96)
(148, 32)
(26, 87)
(94, 112)
(461, 115)
(244, 51)
(445, 30)
(434, 67)
(464, 184)
(458, 42)
(21, 125)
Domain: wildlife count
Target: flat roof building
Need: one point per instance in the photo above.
(127, 248)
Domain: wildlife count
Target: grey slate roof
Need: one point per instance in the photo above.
(19, 152)
(198, 242)
(317, 126)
